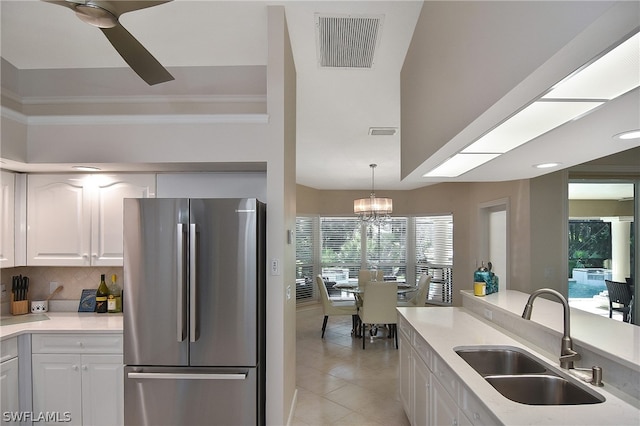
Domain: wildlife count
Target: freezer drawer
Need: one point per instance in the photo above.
(191, 396)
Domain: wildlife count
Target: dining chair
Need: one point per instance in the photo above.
(619, 293)
(333, 307)
(379, 307)
(365, 276)
(419, 297)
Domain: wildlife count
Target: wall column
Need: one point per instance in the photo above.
(620, 249)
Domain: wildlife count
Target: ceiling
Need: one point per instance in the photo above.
(209, 45)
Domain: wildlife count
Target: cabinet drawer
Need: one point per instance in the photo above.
(76, 343)
(8, 349)
(404, 327)
(446, 377)
(422, 349)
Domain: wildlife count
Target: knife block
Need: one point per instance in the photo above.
(19, 307)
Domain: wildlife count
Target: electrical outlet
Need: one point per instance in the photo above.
(488, 314)
(3, 288)
(288, 292)
(275, 267)
(52, 286)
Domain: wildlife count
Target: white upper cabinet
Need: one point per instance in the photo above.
(7, 233)
(76, 220)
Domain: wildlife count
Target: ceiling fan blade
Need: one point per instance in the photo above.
(117, 7)
(120, 7)
(135, 54)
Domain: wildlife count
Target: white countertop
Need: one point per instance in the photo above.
(614, 339)
(63, 322)
(447, 328)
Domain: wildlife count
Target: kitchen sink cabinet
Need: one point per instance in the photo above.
(430, 392)
(76, 220)
(9, 383)
(421, 392)
(74, 381)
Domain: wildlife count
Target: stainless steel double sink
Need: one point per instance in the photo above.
(523, 378)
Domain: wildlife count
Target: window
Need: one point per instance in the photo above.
(434, 255)
(341, 248)
(403, 247)
(305, 258)
(387, 248)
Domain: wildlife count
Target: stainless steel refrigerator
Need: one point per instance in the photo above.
(194, 310)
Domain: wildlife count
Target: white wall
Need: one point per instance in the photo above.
(207, 185)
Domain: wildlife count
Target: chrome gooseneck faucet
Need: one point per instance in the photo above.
(567, 354)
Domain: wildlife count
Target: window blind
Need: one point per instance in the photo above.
(305, 258)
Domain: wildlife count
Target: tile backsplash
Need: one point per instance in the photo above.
(73, 279)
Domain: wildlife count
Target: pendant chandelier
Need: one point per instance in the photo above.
(373, 209)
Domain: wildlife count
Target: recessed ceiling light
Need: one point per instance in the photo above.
(630, 134)
(86, 168)
(546, 165)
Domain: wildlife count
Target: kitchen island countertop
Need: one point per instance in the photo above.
(445, 329)
(62, 322)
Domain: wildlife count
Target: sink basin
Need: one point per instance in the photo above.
(522, 378)
(542, 390)
(493, 361)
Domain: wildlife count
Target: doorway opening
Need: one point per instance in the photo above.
(493, 247)
(601, 242)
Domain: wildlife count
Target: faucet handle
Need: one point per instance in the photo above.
(567, 359)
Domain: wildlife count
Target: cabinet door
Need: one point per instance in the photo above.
(107, 214)
(444, 409)
(58, 220)
(9, 389)
(421, 392)
(7, 232)
(57, 387)
(102, 390)
(405, 375)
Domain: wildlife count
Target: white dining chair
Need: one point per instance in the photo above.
(419, 297)
(379, 307)
(333, 307)
(365, 276)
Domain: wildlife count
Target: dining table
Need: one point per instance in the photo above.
(355, 287)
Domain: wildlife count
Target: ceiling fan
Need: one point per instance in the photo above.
(105, 15)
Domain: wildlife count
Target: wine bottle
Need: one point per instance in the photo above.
(114, 302)
(101, 296)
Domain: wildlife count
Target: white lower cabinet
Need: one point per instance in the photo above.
(9, 382)
(74, 384)
(421, 392)
(406, 372)
(431, 393)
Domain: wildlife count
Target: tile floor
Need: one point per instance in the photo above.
(339, 383)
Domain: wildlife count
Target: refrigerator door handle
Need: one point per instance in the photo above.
(188, 376)
(180, 282)
(192, 284)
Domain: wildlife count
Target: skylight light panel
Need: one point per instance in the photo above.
(460, 164)
(610, 76)
(533, 121)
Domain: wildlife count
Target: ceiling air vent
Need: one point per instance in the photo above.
(347, 41)
(383, 131)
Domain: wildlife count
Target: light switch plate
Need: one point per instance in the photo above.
(52, 286)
